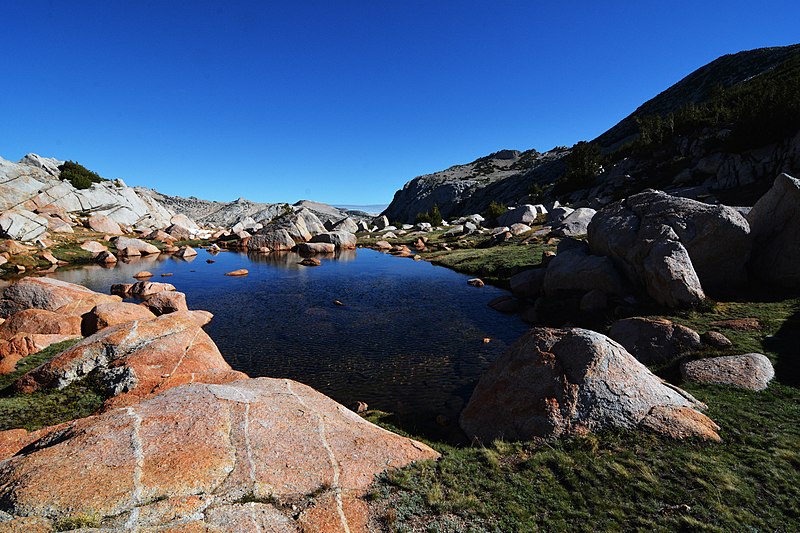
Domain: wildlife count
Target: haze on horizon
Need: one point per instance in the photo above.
(340, 102)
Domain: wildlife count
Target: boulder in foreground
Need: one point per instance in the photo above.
(186, 458)
(559, 382)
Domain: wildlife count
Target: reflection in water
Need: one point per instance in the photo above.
(409, 338)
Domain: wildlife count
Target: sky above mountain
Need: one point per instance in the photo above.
(341, 102)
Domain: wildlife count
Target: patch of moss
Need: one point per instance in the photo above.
(78, 521)
(46, 407)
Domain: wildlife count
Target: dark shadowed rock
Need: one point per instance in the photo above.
(716, 339)
(594, 301)
(775, 226)
(505, 304)
(654, 341)
(575, 270)
(558, 382)
(528, 283)
(556, 215)
(675, 247)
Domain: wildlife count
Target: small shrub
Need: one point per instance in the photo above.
(535, 191)
(583, 165)
(79, 176)
(433, 217)
(494, 211)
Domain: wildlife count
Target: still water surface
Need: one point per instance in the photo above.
(409, 339)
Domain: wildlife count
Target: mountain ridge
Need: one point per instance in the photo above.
(695, 163)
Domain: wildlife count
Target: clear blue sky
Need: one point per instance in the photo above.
(340, 101)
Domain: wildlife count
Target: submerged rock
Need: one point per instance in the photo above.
(558, 382)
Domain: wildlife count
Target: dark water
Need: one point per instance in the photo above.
(408, 340)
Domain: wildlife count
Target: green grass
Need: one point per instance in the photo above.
(194, 243)
(46, 407)
(628, 480)
(620, 481)
(495, 264)
(72, 253)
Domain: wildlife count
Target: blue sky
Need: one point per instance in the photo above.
(341, 102)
